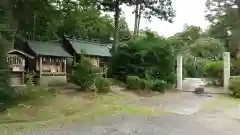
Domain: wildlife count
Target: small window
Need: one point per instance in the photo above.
(14, 60)
(102, 62)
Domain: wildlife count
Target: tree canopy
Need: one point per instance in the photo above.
(224, 16)
(51, 19)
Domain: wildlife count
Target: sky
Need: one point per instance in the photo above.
(190, 12)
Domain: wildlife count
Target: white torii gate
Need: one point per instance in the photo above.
(226, 59)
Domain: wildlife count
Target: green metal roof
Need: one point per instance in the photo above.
(48, 49)
(91, 48)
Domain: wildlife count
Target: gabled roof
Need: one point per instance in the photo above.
(21, 52)
(47, 49)
(90, 48)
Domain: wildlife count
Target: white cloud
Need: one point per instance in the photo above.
(189, 12)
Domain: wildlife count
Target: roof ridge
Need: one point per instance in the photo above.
(48, 49)
(90, 41)
(44, 42)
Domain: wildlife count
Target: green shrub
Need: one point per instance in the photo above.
(6, 91)
(207, 48)
(153, 56)
(102, 85)
(133, 82)
(159, 85)
(193, 66)
(213, 71)
(143, 84)
(150, 84)
(29, 77)
(235, 87)
(84, 74)
(235, 67)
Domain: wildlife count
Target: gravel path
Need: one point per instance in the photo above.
(183, 122)
(186, 121)
(167, 125)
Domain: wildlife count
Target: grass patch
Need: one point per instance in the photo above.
(63, 109)
(222, 102)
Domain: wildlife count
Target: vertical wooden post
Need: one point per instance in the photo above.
(179, 72)
(23, 78)
(74, 59)
(40, 67)
(226, 58)
(65, 66)
(23, 69)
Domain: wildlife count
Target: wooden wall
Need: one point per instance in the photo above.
(17, 66)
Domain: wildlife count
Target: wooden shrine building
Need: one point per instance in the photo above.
(49, 62)
(16, 60)
(97, 52)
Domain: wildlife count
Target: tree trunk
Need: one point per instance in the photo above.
(136, 19)
(116, 21)
(34, 26)
(139, 20)
(15, 34)
(237, 2)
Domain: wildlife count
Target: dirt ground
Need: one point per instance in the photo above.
(172, 113)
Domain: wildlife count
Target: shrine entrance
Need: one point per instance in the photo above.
(17, 61)
(189, 84)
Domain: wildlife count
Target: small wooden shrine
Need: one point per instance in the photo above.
(17, 62)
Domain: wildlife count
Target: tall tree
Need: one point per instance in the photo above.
(31, 18)
(190, 34)
(124, 32)
(51, 19)
(225, 18)
(161, 9)
(207, 48)
(6, 92)
(114, 5)
(5, 21)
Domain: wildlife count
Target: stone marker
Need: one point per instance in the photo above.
(199, 90)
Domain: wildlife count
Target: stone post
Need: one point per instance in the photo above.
(226, 58)
(179, 72)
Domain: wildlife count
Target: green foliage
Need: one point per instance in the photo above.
(6, 92)
(29, 77)
(84, 74)
(235, 87)
(102, 85)
(177, 44)
(159, 85)
(207, 48)
(225, 22)
(193, 66)
(189, 35)
(160, 9)
(50, 19)
(143, 84)
(150, 84)
(133, 82)
(235, 67)
(150, 58)
(213, 71)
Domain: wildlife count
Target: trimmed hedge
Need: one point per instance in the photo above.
(235, 67)
(235, 87)
(133, 82)
(84, 74)
(143, 84)
(149, 58)
(159, 85)
(213, 71)
(102, 85)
